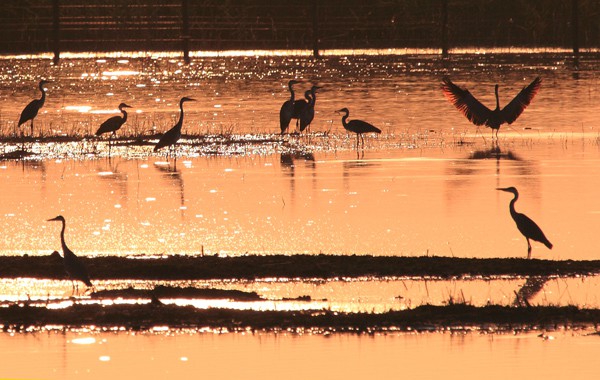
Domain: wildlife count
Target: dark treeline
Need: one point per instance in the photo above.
(31, 26)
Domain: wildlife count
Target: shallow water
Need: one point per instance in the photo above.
(425, 186)
(433, 201)
(185, 354)
(362, 295)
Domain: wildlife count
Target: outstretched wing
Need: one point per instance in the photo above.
(516, 107)
(466, 103)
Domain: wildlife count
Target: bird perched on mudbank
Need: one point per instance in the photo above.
(526, 226)
(73, 266)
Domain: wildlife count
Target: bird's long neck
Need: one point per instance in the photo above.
(313, 99)
(62, 238)
(180, 122)
(124, 114)
(513, 212)
(43, 98)
(344, 123)
(498, 102)
(292, 94)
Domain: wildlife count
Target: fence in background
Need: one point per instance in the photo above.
(33, 26)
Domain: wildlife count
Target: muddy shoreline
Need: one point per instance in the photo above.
(300, 267)
(423, 318)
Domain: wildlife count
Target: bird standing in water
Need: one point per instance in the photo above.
(357, 126)
(525, 225)
(308, 112)
(173, 135)
(479, 114)
(113, 124)
(74, 268)
(31, 110)
(287, 108)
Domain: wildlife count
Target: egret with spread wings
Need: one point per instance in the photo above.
(479, 114)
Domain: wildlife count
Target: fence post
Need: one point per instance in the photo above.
(185, 31)
(575, 26)
(444, 31)
(56, 30)
(315, 28)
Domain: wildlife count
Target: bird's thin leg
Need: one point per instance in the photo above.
(357, 140)
(528, 249)
(31, 128)
(363, 141)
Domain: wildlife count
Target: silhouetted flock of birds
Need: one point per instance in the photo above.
(303, 110)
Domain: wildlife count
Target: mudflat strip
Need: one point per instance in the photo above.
(293, 266)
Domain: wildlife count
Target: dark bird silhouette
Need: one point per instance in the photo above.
(479, 114)
(31, 110)
(114, 123)
(286, 113)
(525, 225)
(308, 113)
(299, 106)
(74, 268)
(171, 137)
(357, 126)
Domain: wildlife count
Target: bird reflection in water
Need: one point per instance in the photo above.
(111, 174)
(173, 176)
(288, 162)
(530, 289)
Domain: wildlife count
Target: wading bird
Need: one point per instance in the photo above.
(525, 225)
(479, 114)
(74, 268)
(113, 124)
(308, 113)
(357, 126)
(171, 137)
(286, 113)
(31, 110)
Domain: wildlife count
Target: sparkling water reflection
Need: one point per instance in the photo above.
(309, 354)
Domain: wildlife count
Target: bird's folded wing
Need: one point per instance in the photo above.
(513, 109)
(466, 103)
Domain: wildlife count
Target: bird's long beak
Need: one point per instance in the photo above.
(52, 220)
(502, 188)
(338, 111)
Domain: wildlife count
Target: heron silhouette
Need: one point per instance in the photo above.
(307, 114)
(31, 110)
(479, 114)
(286, 113)
(526, 226)
(74, 268)
(113, 124)
(173, 135)
(357, 126)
